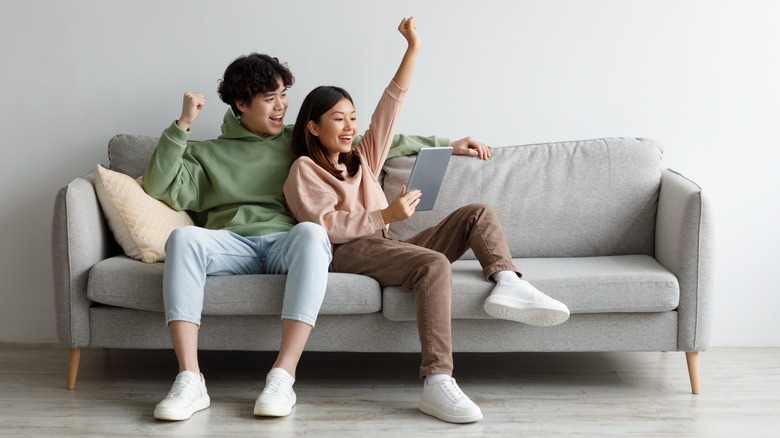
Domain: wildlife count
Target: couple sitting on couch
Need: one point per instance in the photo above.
(242, 188)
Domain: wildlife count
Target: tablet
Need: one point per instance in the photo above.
(428, 173)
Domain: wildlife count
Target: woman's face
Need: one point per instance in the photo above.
(336, 129)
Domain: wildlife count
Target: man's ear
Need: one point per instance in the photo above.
(313, 128)
(241, 106)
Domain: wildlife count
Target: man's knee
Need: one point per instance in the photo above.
(181, 237)
(310, 232)
(309, 241)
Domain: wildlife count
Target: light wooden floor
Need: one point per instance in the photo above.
(528, 394)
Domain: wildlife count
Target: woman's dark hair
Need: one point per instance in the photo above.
(306, 144)
(249, 75)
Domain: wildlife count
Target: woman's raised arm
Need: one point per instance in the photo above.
(403, 76)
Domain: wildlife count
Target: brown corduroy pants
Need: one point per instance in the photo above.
(422, 265)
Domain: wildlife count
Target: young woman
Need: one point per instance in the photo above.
(335, 185)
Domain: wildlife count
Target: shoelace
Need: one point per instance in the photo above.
(180, 385)
(453, 390)
(275, 385)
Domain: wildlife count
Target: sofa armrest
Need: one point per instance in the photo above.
(80, 239)
(684, 245)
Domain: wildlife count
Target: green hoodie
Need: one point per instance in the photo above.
(235, 182)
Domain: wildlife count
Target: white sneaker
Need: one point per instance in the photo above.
(187, 396)
(445, 401)
(520, 301)
(278, 397)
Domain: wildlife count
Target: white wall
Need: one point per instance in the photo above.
(700, 76)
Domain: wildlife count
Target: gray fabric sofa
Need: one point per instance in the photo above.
(597, 224)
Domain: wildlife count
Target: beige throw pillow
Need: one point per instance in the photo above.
(140, 223)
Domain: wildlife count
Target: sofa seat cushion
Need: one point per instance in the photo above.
(123, 282)
(608, 284)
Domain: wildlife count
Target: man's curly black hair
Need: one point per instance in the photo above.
(249, 75)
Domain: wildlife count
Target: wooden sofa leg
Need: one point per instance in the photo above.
(692, 357)
(74, 357)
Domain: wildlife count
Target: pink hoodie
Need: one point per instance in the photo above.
(351, 208)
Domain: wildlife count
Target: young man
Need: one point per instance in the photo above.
(234, 187)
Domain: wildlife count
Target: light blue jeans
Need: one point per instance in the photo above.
(192, 253)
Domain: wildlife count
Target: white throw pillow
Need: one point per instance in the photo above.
(140, 223)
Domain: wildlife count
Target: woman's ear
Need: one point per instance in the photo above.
(313, 128)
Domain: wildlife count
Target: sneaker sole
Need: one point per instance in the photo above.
(512, 310)
(272, 411)
(178, 414)
(433, 412)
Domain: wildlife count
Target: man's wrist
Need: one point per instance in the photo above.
(184, 126)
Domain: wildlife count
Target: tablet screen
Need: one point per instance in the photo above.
(428, 174)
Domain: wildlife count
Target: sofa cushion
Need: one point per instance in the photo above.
(585, 284)
(129, 154)
(573, 199)
(139, 223)
(225, 295)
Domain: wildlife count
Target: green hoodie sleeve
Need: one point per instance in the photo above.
(168, 176)
(411, 144)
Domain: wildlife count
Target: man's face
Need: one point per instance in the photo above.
(265, 114)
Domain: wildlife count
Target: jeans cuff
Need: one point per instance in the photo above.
(178, 317)
(301, 318)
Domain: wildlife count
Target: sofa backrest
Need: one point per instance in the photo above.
(571, 199)
(130, 154)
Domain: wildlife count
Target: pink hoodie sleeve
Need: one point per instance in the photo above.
(375, 143)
